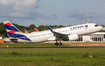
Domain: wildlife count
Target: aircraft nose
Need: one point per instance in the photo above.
(100, 27)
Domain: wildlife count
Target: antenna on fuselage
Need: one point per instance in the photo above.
(87, 20)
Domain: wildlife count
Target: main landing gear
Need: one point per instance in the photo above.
(60, 44)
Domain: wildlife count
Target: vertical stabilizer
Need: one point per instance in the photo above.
(36, 30)
(14, 32)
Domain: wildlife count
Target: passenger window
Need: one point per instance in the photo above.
(96, 25)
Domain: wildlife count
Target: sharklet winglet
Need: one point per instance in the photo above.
(50, 29)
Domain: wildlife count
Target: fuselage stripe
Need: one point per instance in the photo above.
(18, 36)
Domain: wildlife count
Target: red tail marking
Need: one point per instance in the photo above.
(36, 30)
(8, 23)
(12, 31)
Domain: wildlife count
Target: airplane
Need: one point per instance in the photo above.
(66, 33)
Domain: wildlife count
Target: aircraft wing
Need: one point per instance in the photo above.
(58, 35)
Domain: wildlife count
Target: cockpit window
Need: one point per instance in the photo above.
(96, 25)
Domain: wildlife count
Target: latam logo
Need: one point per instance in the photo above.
(85, 25)
(77, 27)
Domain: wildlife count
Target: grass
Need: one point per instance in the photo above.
(52, 57)
(45, 44)
(30, 45)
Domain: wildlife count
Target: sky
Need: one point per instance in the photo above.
(52, 12)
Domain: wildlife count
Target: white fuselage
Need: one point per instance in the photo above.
(77, 29)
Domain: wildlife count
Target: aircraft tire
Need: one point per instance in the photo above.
(56, 43)
(60, 44)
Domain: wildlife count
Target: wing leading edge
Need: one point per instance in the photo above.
(57, 34)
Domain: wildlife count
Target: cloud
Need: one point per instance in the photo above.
(27, 4)
(17, 14)
(93, 16)
(19, 8)
(7, 2)
(21, 4)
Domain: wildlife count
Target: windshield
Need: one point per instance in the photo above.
(96, 25)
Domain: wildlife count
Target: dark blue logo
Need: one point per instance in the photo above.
(76, 27)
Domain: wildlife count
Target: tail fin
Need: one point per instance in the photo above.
(36, 30)
(13, 31)
(26, 31)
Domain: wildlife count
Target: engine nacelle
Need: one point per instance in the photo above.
(71, 37)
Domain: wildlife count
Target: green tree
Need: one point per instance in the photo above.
(3, 32)
(41, 28)
(21, 28)
(31, 27)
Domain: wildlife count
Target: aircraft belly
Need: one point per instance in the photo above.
(40, 39)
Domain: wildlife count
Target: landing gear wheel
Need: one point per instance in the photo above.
(56, 43)
(60, 44)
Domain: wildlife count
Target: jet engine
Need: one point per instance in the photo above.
(71, 37)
